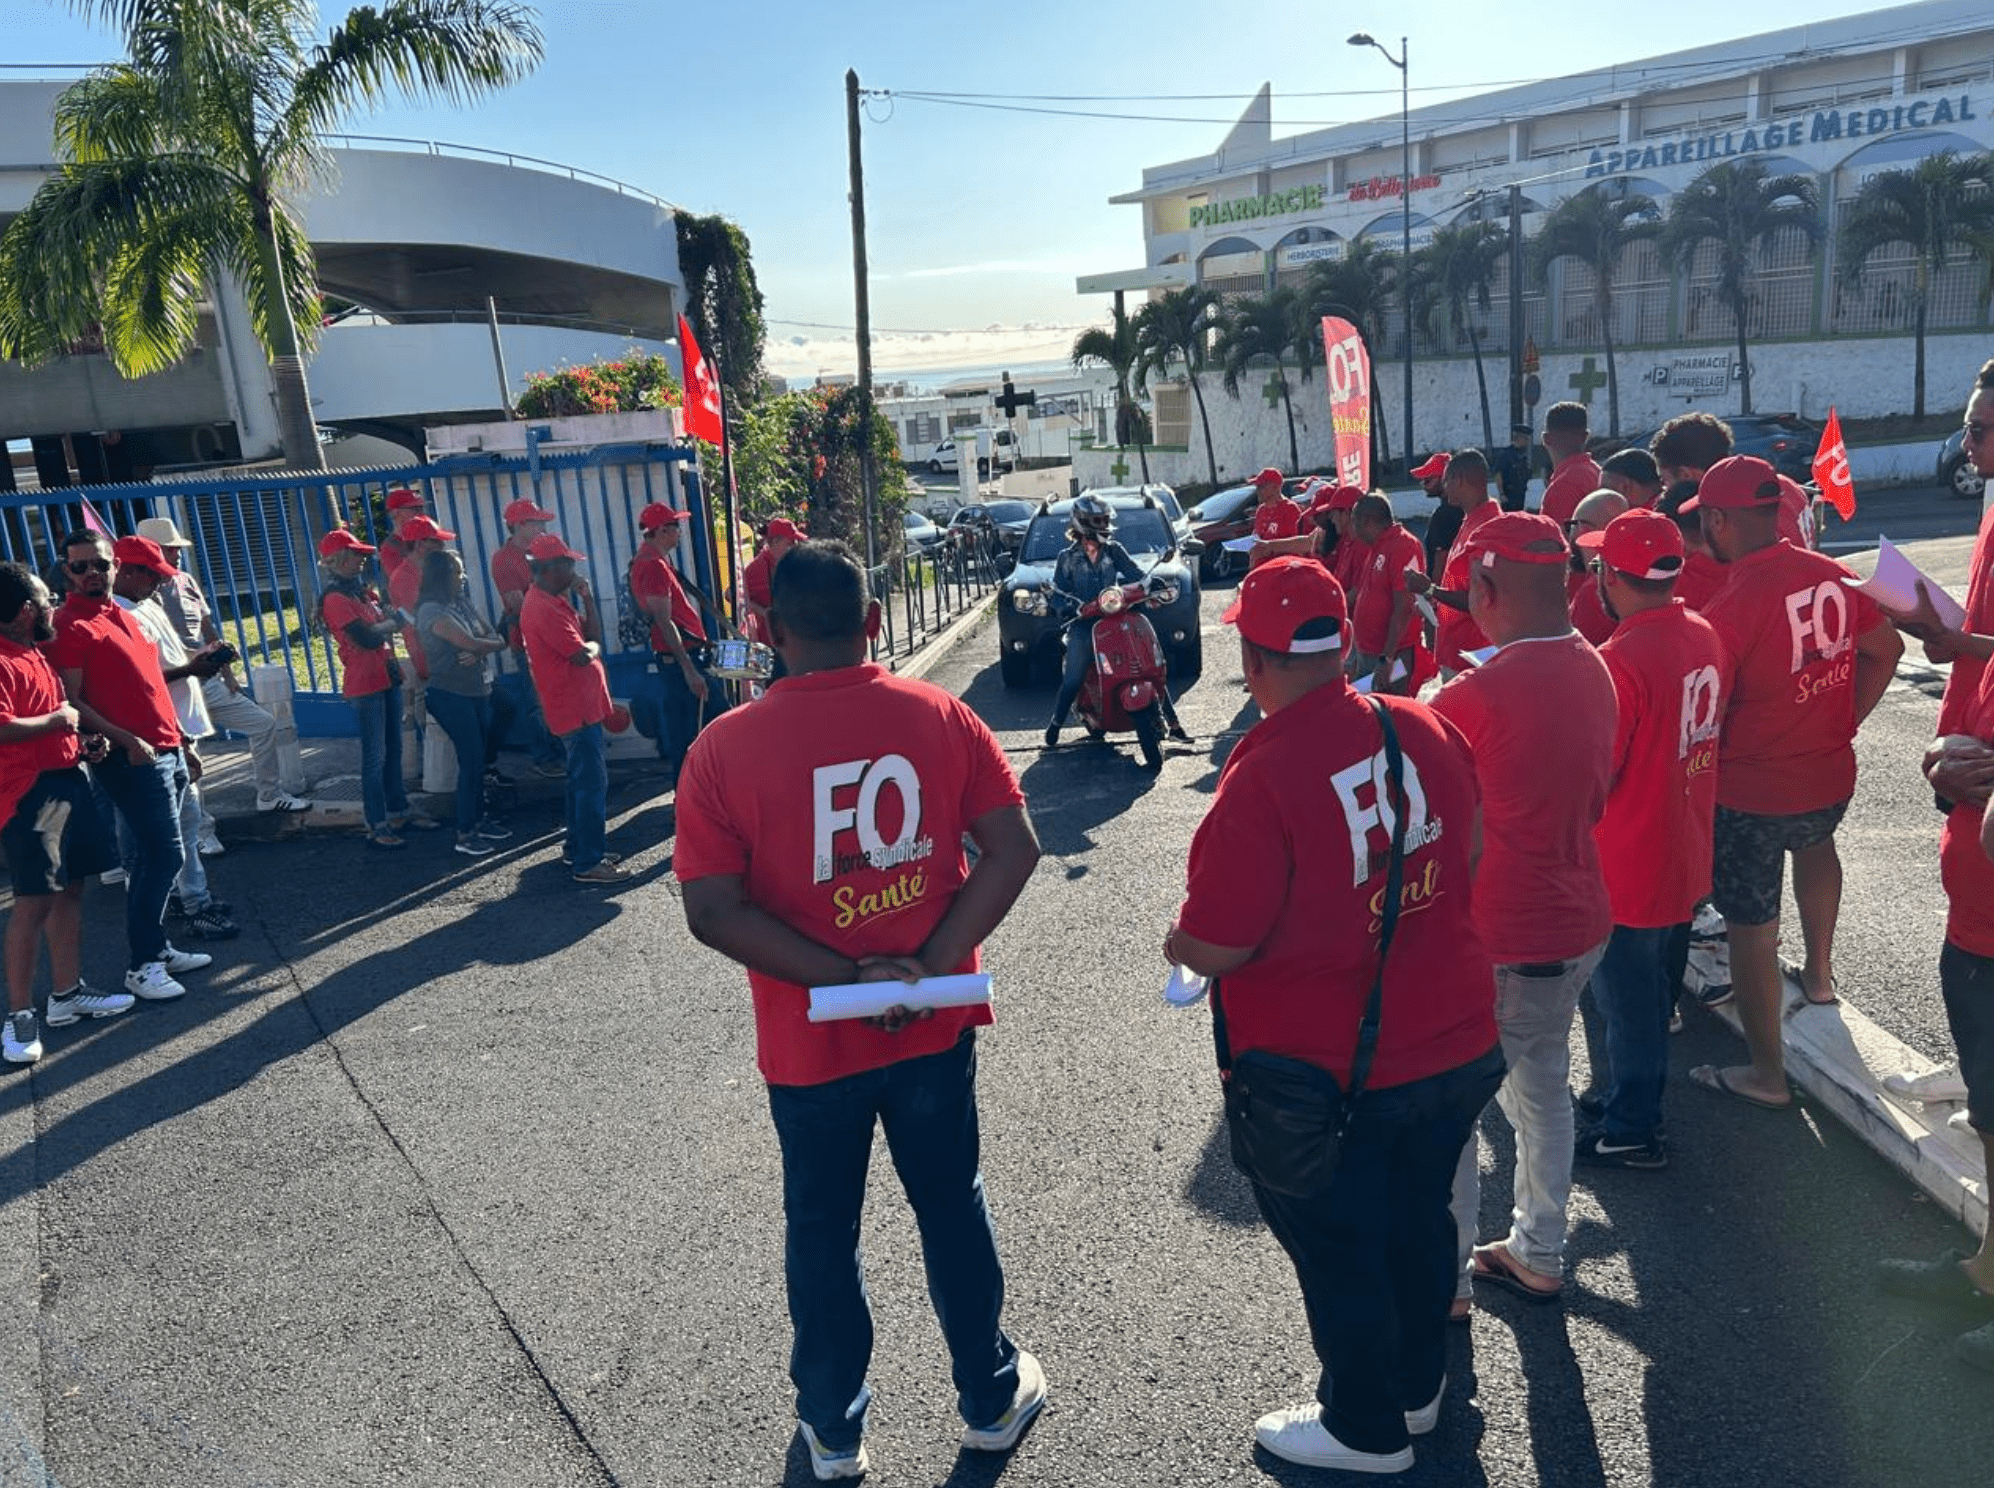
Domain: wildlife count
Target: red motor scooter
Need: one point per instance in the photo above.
(1122, 688)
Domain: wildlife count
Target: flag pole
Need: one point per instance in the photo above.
(730, 504)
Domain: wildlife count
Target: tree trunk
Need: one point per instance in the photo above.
(1482, 383)
(1294, 450)
(1918, 375)
(1739, 309)
(296, 427)
(1612, 371)
(1211, 454)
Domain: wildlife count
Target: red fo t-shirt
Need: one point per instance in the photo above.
(841, 799)
(29, 688)
(1539, 719)
(1588, 610)
(572, 696)
(1703, 578)
(1299, 875)
(1963, 686)
(1457, 632)
(1388, 560)
(404, 587)
(758, 579)
(1576, 478)
(1964, 868)
(365, 669)
(1789, 625)
(1277, 519)
(511, 573)
(652, 578)
(1349, 561)
(1654, 841)
(120, 666)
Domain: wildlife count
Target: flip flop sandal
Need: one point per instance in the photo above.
(1711, 1078)
(1496, 1266)
(1793, 974)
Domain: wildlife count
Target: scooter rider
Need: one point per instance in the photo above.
(1092, 562)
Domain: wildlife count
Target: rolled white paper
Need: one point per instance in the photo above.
(1239, 544)
(1185, 988)
(873, 999)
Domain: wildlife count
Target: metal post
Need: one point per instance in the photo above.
(862, 315)
(1405, 228)
(1516, 328)
(498, 358)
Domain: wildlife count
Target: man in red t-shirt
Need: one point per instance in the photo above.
(1385, 630)
(1274, 517)
(512, 578)
(691, 695)
(1283, 900)
(782, 535)
(1466, 489)
(1633, 474)
(1668, 670)
(1574, 474)
(564, 655)
(820, 844)
(1539, 718)
(1582, 595)
(53, 839)
(1810, 657)
(1350, 559)
(1702, 575)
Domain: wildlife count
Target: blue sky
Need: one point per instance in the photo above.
(978, 220)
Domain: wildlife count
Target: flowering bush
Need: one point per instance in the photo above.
(635, 381)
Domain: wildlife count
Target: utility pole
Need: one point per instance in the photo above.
(862, 314)
(1516, 329)
(1405, 225)
(498, 357)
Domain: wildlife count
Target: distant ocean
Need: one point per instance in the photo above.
(933, 379)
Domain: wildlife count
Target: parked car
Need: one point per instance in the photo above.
(923, 536)
(1957, 473)
(996, 449)
(1783, 440)
(1220, 518)
(1025, 640)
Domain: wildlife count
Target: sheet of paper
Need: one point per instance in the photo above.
(871, 999)
(1425, 607)
(1479, 658)
(1894, 585)
(1398, 673)
(1185, 988)
(1240, 544)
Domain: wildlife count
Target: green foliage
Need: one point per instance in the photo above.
(1266, 329)
(1175, 327)
(1595, 228)
(723, 301)
(635, 381)
(775, 466)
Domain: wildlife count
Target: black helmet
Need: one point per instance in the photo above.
(1093, 517)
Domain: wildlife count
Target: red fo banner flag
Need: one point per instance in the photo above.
(1349, 368)
(1831, 469)
(702, 389)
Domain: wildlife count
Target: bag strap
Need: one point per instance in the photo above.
(1367, 1030)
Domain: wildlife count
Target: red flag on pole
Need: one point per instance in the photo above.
(1349, 366)
(1831, 469)
(702, 389)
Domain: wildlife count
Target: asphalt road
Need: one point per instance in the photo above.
(450, 1173)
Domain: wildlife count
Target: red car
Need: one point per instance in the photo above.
(1224, 516)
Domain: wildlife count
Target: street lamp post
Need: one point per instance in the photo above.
(1366, 39)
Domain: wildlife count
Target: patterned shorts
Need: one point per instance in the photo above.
(1750, 868)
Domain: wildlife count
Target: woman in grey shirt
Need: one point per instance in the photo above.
(458, 643)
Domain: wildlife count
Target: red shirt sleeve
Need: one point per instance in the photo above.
(991, 785)
(67, 649)
(707, 844)
(340, 611)
(1239, 870)
(759, 580)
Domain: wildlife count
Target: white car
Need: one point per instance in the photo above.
(1002, 453)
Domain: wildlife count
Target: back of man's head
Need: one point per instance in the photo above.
(1565, 426)
(1690, 443)
(1635, 465)
(17, 582)
(1372, 513)
(1469, 466)
(818, 593)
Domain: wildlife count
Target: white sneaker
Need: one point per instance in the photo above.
(181, 962)
(85, 1001)
(1002, 1434)
(1708, 924)
(1419, 1422)
(1939, 1085)
(827, 1465)
(1958, 1122)
(209, 845)
(1298, 1435)
(20, 1041)
(283, 801)
(151, 983)
(111, 877)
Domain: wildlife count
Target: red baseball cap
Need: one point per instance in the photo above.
(424, 529)
(1269, 476)
(403, 499)
(141, 552)
(526, 511)
(1280, 598)
(1735, 483)
(784, 528)
(1433, 469)
(1520, 537)
(547, 547)
(1642, 544)
(339, 540)
(657, 515)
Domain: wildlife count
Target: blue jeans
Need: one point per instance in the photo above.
(1375, 1252)
(381, 792)
(684, 714)
(147, 798)
(541, 745)
(467, 720)
(588, 796)
(1633, 990)
(927, 1108)
(1079, 656)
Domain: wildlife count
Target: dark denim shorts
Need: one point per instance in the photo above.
(1966, 981)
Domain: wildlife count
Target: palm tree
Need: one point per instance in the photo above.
(1934, 207)
(1595, 229)
(1261, 328)
(1451, 280)
(1173, 328)
(180, 165)
(1359, 287)
(1744, 209)
(1114, 346)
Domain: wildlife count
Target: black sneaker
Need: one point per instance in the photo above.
(1715, 995)
(1052, 736)
(1590, 1105)
(179, 911)
(209, 922)
(1595, 1150)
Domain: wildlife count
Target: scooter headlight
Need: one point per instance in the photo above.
(1111, 601)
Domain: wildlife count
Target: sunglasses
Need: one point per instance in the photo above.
(89, 565)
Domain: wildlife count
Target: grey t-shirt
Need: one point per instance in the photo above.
(445, 670)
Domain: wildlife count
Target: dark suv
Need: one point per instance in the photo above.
(1024, 640)
(1784, 441)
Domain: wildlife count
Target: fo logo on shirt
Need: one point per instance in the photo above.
(1819, 621)
(847, 834)
(1700, 720)
(1367, 808)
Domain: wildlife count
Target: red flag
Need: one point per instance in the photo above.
(1349, 367)
(1831, 469)
(702, 389)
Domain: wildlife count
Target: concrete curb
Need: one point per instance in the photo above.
(930, 656)
(1839, 1058)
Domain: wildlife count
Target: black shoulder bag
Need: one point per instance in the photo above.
(1286, 1117)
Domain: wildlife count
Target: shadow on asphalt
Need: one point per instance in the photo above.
(1217, 1188)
